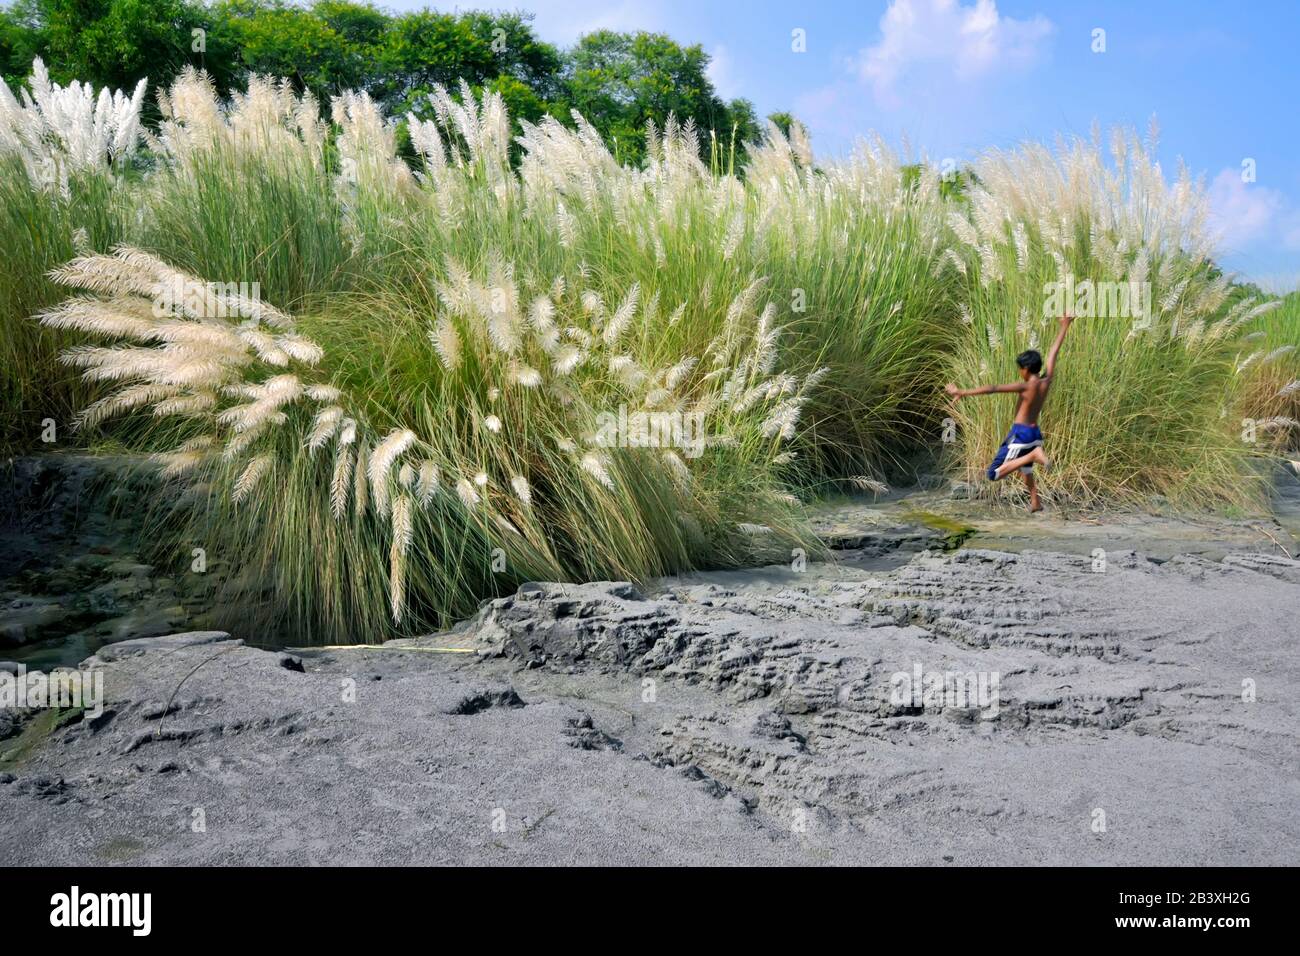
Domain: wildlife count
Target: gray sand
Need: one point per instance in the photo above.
(742, 718)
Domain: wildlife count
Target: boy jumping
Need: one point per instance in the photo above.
(1023, 446)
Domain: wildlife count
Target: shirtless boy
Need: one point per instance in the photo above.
(1023, 446)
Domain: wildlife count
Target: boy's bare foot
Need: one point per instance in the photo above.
(1042, 460)
(1035, 507)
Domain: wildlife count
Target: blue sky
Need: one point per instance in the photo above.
(957, 76)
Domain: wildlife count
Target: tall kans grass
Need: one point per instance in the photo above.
(40, 230)
(390, 387)
(243, 192)
(1147, 398)
(439, 429)
(847, 251)
(63, 151)
(1267, 374)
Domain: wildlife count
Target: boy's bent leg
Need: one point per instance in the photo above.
(993, 473)
(1032, 457)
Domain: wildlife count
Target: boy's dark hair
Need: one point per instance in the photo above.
(1031, 360)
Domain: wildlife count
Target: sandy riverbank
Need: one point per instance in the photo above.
(751, 721)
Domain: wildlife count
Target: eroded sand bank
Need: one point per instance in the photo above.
(1145, 713)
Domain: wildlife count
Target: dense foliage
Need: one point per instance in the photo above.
(618, 81)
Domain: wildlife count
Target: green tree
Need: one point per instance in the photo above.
(362, 28)
(518, 54)
(743, 125)
(499, 51)
(21, 40)
(425, 48)
(277, 38)
(782, 121)
(360, 24)
(619, 81)
(116, 42)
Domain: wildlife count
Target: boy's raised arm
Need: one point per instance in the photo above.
(1050, 366)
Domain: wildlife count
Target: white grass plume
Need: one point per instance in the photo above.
(381, 463)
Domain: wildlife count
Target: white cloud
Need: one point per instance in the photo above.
(948, 43)
(722, 73)
(1258, 230)
(1247, 214)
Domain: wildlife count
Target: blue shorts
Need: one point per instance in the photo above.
(1018, 442)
